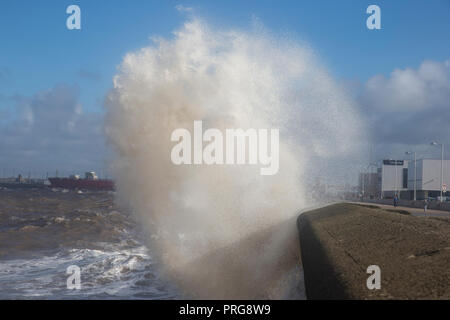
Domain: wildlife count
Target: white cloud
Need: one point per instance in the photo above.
(49, 131)
(409, 108)
(409, 90)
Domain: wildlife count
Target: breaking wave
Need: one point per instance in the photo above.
(225, 231)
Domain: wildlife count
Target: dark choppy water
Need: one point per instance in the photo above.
(42, 232)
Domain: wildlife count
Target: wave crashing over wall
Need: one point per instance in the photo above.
(224, 231)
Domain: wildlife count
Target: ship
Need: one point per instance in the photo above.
(89, 182)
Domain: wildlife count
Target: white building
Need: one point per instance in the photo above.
(392, 178)
(428, 182)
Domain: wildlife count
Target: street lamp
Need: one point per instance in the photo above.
(396, 179)
(442, 163)
(361, 176)
(415, 172)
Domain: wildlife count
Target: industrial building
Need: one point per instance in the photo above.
(428, 178)
(397, 177)
(392, 178)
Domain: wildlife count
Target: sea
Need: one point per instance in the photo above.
(45, 231)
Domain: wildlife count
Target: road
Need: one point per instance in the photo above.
(417, 212)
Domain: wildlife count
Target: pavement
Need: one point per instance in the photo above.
(340, 242)
(417, 212)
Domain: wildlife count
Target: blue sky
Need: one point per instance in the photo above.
(38, 52)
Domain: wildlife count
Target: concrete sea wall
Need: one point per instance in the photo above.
(340, 241)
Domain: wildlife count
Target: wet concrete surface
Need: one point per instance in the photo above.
(340, 241)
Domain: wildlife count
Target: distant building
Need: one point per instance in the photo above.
(368, 185)
(392, 178)
(428, 181)
(397, 177)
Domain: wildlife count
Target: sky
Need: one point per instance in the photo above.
(50, 76)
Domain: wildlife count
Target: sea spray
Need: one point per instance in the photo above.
(223, 231)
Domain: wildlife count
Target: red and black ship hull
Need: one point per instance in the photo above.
(86, 184)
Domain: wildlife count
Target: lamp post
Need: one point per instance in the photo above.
(362, 184)
(415, 173)
(395, 162)
(442, 163)
(396, 178)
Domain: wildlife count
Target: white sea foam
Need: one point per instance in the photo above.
(212, 227)
(113, 273)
